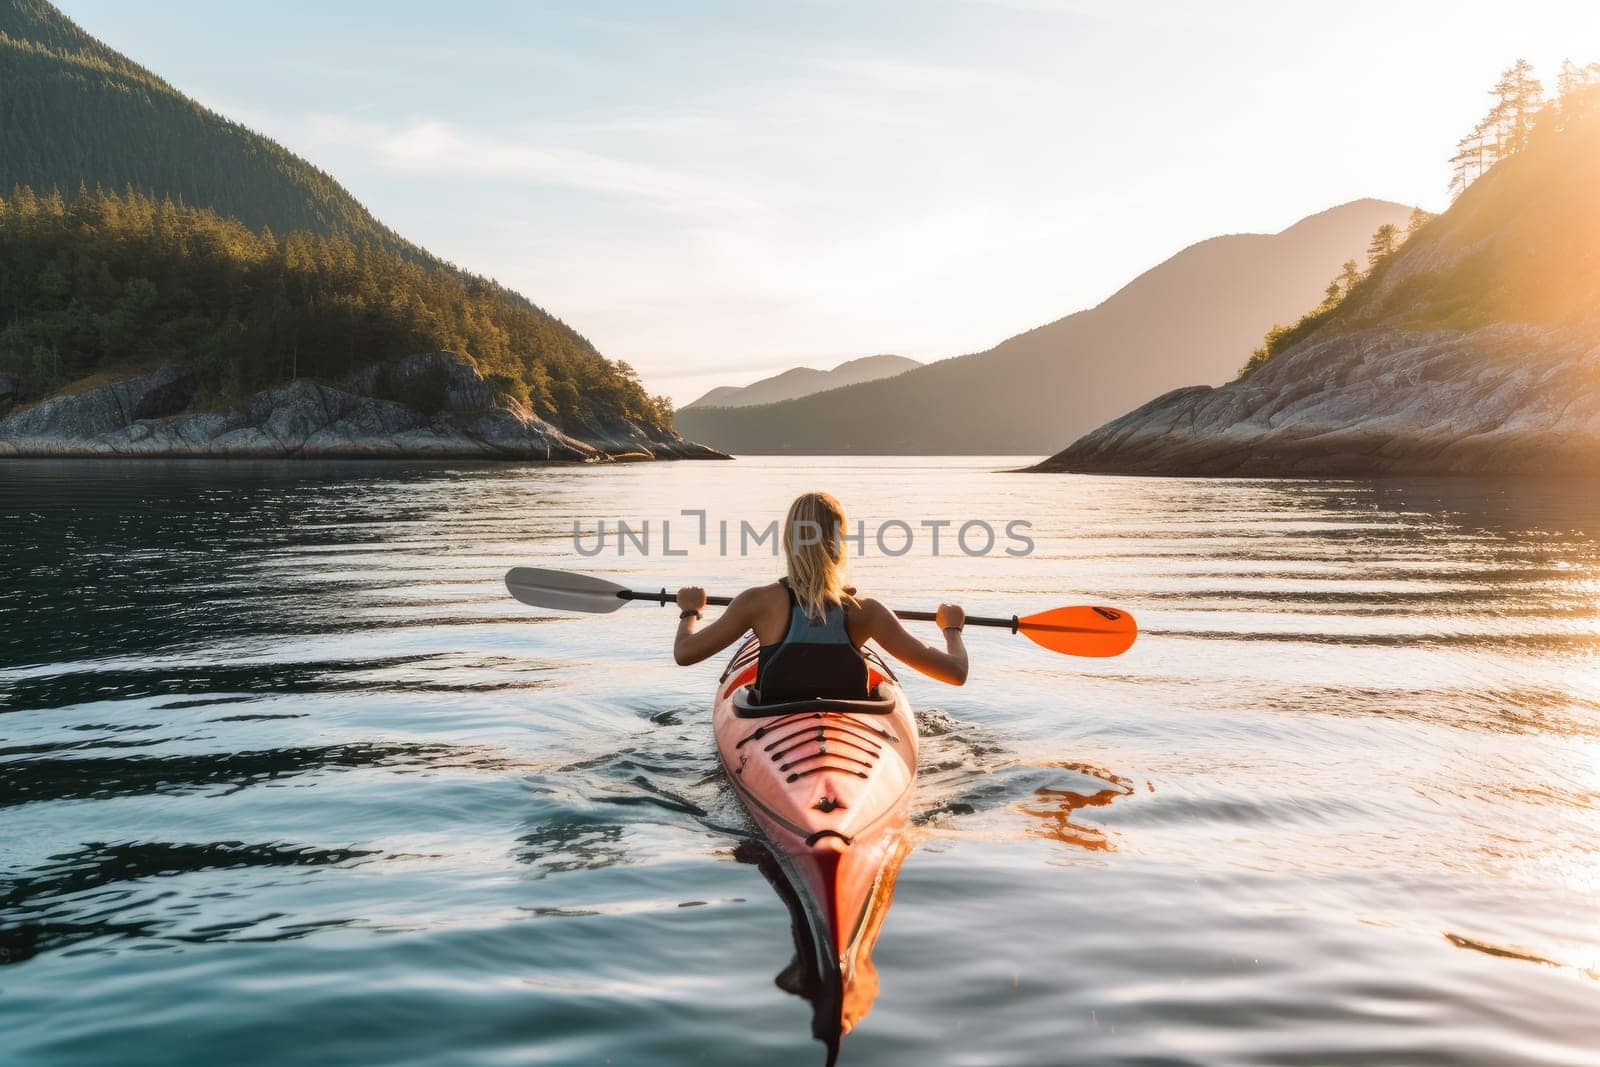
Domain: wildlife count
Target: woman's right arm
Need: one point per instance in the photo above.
(692, 645)
(949, 665)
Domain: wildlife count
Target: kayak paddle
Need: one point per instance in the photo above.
(1074, 631)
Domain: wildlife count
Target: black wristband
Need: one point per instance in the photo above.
(687, 614)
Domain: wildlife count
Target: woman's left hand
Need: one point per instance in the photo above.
(692, 598)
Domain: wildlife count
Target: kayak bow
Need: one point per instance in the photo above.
(829, 784)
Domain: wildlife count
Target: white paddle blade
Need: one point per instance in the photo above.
(563, 591)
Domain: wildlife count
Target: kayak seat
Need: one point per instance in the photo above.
(747, 705)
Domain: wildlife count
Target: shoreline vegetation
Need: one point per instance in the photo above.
(1470, 344)
(106, 279)
(121, 312)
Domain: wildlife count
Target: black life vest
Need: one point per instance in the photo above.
(816, 658)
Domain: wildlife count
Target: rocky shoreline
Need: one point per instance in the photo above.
(1506, 399)
(150, 416)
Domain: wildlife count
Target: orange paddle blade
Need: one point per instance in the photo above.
(1081, 631)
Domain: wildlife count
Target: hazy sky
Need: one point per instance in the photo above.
(714, 191)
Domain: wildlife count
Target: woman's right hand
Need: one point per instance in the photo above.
(951, 617)
(692, 598)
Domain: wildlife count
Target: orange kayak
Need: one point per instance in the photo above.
(829, 784)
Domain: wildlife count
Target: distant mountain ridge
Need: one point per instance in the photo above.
(797, 382)
(1194, 317)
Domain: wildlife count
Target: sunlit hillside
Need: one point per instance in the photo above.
(1471, 346)
(1521, 243)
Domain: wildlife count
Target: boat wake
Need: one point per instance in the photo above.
(597, 812)
(971, 781)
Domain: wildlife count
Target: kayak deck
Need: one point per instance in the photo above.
(831, 792)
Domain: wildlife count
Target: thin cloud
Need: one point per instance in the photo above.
(904, 76)
(434, 147)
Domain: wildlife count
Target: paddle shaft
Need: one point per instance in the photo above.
(664, 597)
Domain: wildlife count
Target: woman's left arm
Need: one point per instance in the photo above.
(692, 645)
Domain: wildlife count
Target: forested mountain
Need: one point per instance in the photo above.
(1473, 346)
(803, 381)
(1193, 317)
(73, 112)
(143, 226)
(109, 281)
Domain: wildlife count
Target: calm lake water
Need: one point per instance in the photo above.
(285, 773)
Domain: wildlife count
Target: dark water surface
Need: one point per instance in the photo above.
(285, 774)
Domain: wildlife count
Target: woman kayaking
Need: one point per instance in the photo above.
(816, 737)
(810, 624)
(820, 743)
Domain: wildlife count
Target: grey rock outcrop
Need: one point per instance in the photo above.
(1504, 399)
(455, 414)
(107, 408)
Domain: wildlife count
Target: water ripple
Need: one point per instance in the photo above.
(283, 771)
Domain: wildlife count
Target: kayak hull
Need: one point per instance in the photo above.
(831, 792)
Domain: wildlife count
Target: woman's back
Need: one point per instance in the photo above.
(814, 594)
(815, 656)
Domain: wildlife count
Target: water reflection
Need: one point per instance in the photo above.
(104, 891)
(1055, 808)
(100, 778)
(1560, 507)
(250, 681)
(571, 845)
(841, 992)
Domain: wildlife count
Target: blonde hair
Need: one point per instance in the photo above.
(815, 552)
